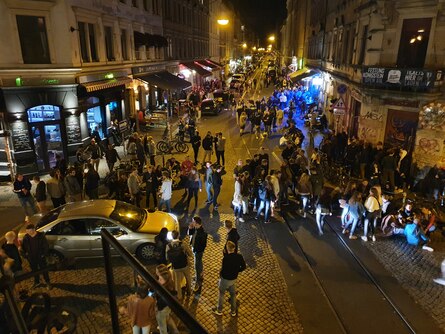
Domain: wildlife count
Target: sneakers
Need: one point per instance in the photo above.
(233, 314)
(427, 248)
(373, 238)
(196, 288)
(49, 286)
(216, 311)
(353, 237)
(215, 208)
(364, 238)
(241, 220)
(345, 231)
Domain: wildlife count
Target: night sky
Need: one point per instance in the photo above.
(263, 16)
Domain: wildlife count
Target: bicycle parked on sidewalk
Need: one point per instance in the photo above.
(167, 146)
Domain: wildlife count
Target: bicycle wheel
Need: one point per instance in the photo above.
(162, 147)
(181, 147)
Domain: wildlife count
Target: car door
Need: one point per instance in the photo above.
(69, 237)
(95, 225)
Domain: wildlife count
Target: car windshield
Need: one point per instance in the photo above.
(128, 215)
(49, 217)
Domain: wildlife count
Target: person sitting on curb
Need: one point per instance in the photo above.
(414, 233)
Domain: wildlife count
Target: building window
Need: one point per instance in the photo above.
(155, 7)
(124, 45)
(414, 42)
(363, 41)
(134, 3)
(33, 39)
(87, 37)
(145, 4)
(109, 43)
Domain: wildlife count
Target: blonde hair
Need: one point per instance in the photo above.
(10, 236)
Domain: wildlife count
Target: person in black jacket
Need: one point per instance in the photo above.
(40, 194)
(35, 248)
(232, 235)
(196, 144)
(232, 265)
(111, 156)
(218, 172)
(207, 145)
(151, 186)
(198, 242)
(92, 179)
(22, 187)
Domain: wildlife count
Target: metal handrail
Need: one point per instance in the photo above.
(109, 240)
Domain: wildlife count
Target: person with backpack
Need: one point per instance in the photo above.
(178, 253)
(373, 211)
(198, 241)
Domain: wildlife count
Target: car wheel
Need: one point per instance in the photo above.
(146, 252)
(54, 257)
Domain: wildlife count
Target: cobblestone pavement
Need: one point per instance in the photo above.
(264, 306)
(415, 269)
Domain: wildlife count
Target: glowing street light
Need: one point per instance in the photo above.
(223, 22)
(254, 48)
(244, 45)
(271, 38)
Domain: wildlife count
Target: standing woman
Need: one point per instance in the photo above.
(373, 212)
(265, 193)
(322, 209)
(141, 310)
(162, 310)
(305, 190)
(238, 200)
(194, 186)
(242, 123)
(354, 211)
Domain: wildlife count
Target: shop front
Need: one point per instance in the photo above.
(102, 103)
(43, 124)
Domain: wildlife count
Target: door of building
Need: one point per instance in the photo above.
(47, 144)
(401, 128)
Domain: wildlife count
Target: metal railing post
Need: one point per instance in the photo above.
(110, 284)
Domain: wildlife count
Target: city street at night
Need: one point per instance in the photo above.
(308, 134)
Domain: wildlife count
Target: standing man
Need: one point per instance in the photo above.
(133, 187)
(232, 265)
(22, 187)
(208, 180)
(198, 241)
(177, 253)
(35, 247)
(217, 183)
(220, 148)
(207, 144)
(196, 144)
(389, 166)
(166, 191)
(111, 156)
(232, 235)
(151, 187)
(96, 154)
(55, 188)
(72, 186)
(150, 148)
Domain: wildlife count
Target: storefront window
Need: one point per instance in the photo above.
(94, 120)
(113, 111)
(44, 113)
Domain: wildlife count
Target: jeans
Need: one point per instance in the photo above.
(238, 211)
(193, 192)
(319, 218)
(163, 318)
(220, 157)
(147, 198)
(216, 191)
(352, 221)
(266, 206)
(167, 204)
(245, 204)
(29, 205)
(207, 154)
(225, 285)
(37, 264)
(370, 222)
(209, 192)
(388, 174)
(178, 275)
(198, 267)
(137, 330)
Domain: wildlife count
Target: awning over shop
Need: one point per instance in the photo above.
(165, 80)
(301, 74)
(214, 62)
(104, 84)
(198, 68)
(209, 64)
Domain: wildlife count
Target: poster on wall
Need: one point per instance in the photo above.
(369, 130)
(429, 149)
(401, 127)
(73, 130)
(20, 136)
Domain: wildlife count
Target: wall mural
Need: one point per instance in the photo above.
(401, 127)
(432, 117)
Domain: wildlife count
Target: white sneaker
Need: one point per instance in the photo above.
(364, 238)
(241, 220)
(373, 238)
(427, 248)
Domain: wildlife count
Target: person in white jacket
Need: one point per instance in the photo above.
(373, 206)
(165, 192)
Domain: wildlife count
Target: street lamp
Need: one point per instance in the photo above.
(223, 22)
(244, 45)
(271, 38)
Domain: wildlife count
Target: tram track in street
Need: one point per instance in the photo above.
(368, 280)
